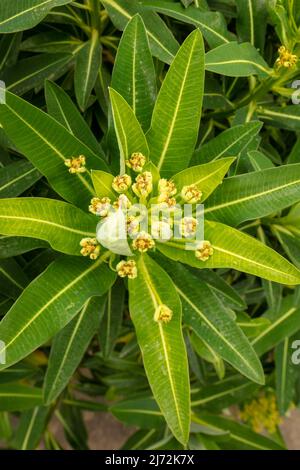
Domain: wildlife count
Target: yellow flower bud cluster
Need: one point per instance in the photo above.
(127, 269)
(188, 226)
(90, 247)
(167, 189)
(163, 314)
(286, 58)
(143, 242)
(143, 184)
(122, 202)
(76, 164)
(204, 250)
(136, 161)
(262, 413)
(191, 194)
(100, 206)
(121, 183)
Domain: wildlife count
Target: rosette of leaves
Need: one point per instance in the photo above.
(66, 300)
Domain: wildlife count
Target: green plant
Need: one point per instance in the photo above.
(170, 321)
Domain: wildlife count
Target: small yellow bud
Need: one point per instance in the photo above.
(122, 202)
(100, 206)
(204, 250)
(132, 225)
(143, 242)
(121, 183)
(191, 194)
(166, 201)
(163, 314)
(161, 230)
(188, 226)
(127, 269)
(143, 185)
(286, 58)
(136, 161)
(90, 247)
(167, 187)
(262, 413)
(76, 164)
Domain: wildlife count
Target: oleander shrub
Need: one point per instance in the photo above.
(149, 220)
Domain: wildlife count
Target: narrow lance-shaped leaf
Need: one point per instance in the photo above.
(65, 286)
(236, 250)
(252, 21)
(12, 278)
(142, 412)
(14, 246)
(212, 24)
(284, 118)
(133, 73)
(47, 144)
(285, 324)
(61, 107)
(112, 318)
(31, 427)
(206, 177)
(59, 223)
(254, 195)
(221, 394)
(25, 14)
(69, 346)
(176, 116)
(88, 62)
(229, 143)
(16, 178)
(241, 436)
(162, 42)
(129, 132)
(236, 60)
(207, 316)
(287, 373)
(162, 344)
(17, 397)
(32, 72)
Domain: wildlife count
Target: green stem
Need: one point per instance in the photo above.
(95, 15)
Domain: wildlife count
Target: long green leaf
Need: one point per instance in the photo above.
(59, 223)
(236, 250)
(31, 73)
(112, 318)
(61, 107)
(254, 195)
(16, 178)
(162, 42)
(13, 279)
(133, 73)
(241, 436)
(236, 60)
(69, 346)
(211, 24)
(162, 344)
(252, 21)
(285, 324)
(176, 116)
(17, 397)
(25, 14)
(31, 427)
(206, 315)
(65, 286)
(47, 144)
(287, 374)
(206, 177)
(228, 143)
(129, 132)
(88, 62)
